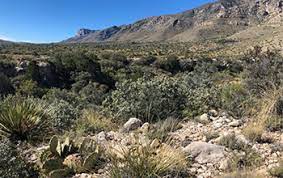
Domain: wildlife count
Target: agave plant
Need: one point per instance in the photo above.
(21, 117)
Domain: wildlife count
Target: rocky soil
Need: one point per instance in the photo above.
(199, 139)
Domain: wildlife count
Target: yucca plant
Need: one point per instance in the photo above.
(21, 117)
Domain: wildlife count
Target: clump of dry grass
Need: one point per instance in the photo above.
(146, 160)
(268, 105)
(161, 130)
(267, 116)
(253, 131)
(92, 121)
(244, 174)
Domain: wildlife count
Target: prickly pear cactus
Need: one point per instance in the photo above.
(60, 173)
(61, 150)
(52, 164)
(68, 147)
(90, 161)
(88, 146)
(53, 144)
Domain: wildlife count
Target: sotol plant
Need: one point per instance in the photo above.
(21, 118)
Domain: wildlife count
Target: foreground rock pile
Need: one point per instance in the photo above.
(210, 158)
(200, 140)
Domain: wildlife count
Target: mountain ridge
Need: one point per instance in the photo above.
(219, 19)
(5, 42)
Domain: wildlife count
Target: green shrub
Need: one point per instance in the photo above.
(187, 65)
(6, 86)
(70, 64)
(11, 164)
(145, 61)
(30, 88)
(279, 106)
(274, 123)
(58, 94)
(63, 114)
(230, 141)
(32, 72)
(7, 66)
(171, 64)
(201, 100)
(202, 94)
(211, 135)
(81, 79)
(94, 93)
(235, 98)
(22, 118)
(265, 74)
(135, 72)
(250, 159)
(277, 171)
(147, 99)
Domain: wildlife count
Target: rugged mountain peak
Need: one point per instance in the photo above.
(219, 19)
(83, 32)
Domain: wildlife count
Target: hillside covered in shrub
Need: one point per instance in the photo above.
(114, 111)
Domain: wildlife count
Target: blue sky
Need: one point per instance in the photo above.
(54, 20)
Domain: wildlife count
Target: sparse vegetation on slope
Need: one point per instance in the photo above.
(179, 104)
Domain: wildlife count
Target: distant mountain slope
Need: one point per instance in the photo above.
(214, 20)
(4, 42)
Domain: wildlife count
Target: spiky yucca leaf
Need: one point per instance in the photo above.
(20, 117)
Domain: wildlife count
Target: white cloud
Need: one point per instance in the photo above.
(4, 37)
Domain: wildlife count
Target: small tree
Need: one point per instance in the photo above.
(33, 72)
(5, 85)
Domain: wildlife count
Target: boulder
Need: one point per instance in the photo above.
(204, 118)
(101, 137)
(217, 125)
(84, 175)
(145, 128)
(242, 139)
(213, 113)
(204, 152)
(132, 124)
(224, 165)
(235, 123)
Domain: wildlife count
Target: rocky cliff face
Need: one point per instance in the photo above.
(220, 19)
(83, 32)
